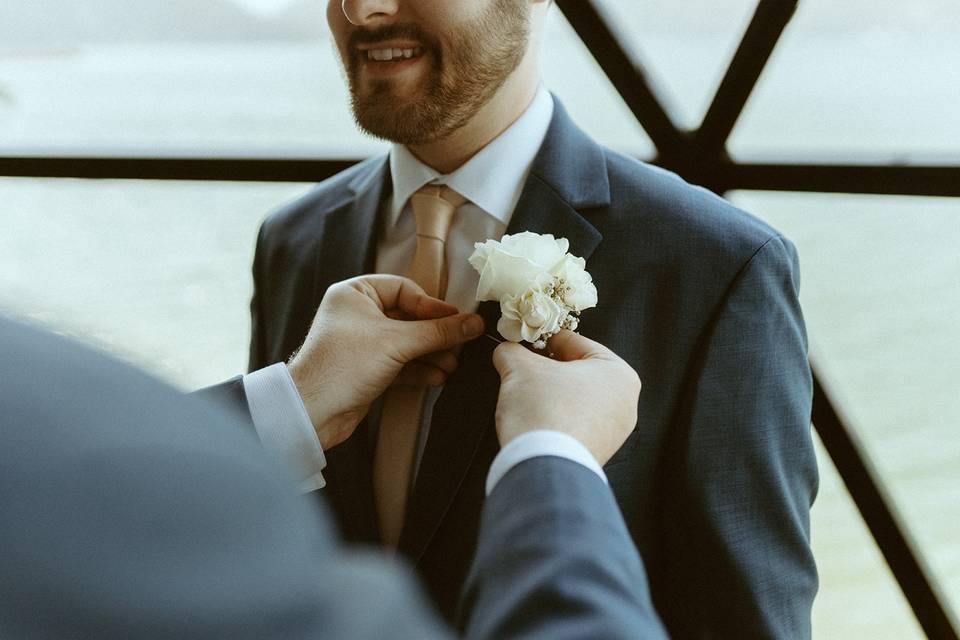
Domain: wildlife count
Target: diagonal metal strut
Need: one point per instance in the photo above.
(764, 32)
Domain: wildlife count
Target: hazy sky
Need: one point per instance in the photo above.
(264, 7)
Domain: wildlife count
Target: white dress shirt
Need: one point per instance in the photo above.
(492, 181)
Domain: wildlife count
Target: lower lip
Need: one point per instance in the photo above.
(384, 68)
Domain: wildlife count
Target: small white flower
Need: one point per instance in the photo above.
(529, 316)
(516, 264)
(580, 291)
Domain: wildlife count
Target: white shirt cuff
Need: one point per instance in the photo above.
(283, 425)
(542, 442)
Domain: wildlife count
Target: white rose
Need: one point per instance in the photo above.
(582, 293)
(516, 263)
(529, 316)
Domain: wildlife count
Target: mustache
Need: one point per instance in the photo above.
(362, 35)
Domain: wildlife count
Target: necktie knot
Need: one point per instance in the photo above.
(433, 209)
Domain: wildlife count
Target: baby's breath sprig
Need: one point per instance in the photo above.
(558, 289)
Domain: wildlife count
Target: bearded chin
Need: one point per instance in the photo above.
(434, 112)
(408, 121)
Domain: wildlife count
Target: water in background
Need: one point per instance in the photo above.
(158, 272)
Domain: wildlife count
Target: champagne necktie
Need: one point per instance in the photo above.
(393, 461)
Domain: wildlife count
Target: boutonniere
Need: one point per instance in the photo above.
(540, 287)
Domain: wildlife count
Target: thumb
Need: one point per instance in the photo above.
(567, 346)
(440, 334)
(508, 355)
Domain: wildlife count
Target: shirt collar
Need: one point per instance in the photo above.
(492, 179)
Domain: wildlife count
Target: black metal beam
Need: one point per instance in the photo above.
(224, 169)
(759, 41)
(720, 176)
(881, 517)
(627, 74)
(825, 178)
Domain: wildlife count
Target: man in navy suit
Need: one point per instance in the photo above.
(698, 296)
(131, 511)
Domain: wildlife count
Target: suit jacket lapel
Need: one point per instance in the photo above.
(569, 172)
(348, 248)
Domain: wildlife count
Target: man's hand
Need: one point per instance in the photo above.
(368, 333)
(585, 391)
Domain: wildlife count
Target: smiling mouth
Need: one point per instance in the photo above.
(393, 54)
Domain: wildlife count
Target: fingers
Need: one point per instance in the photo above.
(423, 324)
(446, 361)
(432, 370)
(567, 346)
(423, 307)
(420, 374)
(396, 294)
(442, 334)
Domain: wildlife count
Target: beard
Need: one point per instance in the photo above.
(457, 82)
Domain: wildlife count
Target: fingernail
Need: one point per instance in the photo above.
(473, 326)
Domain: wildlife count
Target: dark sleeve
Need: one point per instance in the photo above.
(187, 543)
(744, 475)
(232, 396)
(133, 511)
(555, 560)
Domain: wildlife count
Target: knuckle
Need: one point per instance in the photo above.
(443, 332)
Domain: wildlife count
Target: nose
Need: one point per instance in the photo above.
(365, 12)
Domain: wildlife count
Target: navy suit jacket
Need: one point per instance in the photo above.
(128, 510)
(698, 296)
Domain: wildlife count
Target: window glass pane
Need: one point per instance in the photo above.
(156, 272)
(859, 78)
(858, 596)
(217, 77)
(204, 77)
(881, 296)
(686, 46)
(574, 76)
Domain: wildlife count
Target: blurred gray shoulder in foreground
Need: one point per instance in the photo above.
(131, 510)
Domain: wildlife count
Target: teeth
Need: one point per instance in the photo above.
(386, 55)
